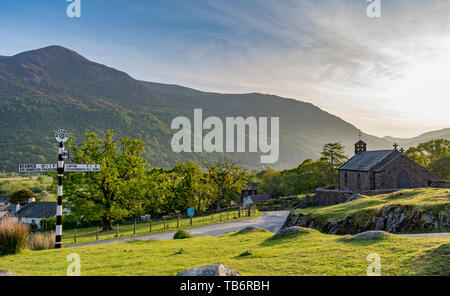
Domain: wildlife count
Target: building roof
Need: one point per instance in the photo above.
(364, 161)
(37, 210)
(381, 166)
(251, 199)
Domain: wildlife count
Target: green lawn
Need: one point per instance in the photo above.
(310, 253)
(436, 200)
(85, 235)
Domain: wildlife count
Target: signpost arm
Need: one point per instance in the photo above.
(58, 240)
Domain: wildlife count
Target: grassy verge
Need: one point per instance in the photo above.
(86, 235)
(436, 200)
(309, 253)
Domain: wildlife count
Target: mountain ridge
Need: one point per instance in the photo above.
(54, 87)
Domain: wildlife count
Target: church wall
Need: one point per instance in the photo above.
(352, 181)
(418, 176)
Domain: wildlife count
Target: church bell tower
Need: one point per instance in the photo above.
(360, 146)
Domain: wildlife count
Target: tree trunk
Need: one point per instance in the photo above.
(218, 203)
(107, 224)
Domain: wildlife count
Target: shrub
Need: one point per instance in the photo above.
(246, 253)
(41, 241)
(48, 223)
(13, 236)
(182, 234)
(21, 196)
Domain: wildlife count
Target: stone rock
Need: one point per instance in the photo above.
(5, 273)
(354, 197)
(371, 234)
(293, 229)
(210, 270)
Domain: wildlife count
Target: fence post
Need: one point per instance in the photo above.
(227, 214)
(220, 215)
(191, 220)
(178, 220)
(96, 232)
(75, 235)
(212, 217)
(150, 223)
(164, 222)
(134, 229)
(239, 212)
(117, 230)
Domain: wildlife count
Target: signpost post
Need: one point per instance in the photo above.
(61, 136)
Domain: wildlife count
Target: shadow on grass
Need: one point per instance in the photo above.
(249, 230)
(361, 242)
(276, 240)
(435, 261)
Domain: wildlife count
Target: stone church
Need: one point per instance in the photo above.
(382, 169)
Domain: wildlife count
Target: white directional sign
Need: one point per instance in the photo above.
(82, 168)
(37, 168)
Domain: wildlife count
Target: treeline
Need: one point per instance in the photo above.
(126, 186)
(305, 178)
(433, 155)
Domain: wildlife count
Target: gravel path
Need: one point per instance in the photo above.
(271, 221)
(428, 235)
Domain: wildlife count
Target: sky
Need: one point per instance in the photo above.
(386, 75)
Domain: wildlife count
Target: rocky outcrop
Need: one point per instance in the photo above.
(371, 234)
(289, 230)
(210, 270)
(391, 218)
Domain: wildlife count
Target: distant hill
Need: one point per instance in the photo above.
(413, 142)
(56, 71)
(53, 87)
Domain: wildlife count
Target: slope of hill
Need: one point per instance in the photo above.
(406, 143)
(56, 71)
(53, 87)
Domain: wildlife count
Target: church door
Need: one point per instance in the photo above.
(403, 180)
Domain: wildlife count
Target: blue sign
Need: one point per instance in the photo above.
(190, 212)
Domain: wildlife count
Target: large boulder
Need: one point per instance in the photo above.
(371, 234)
(289, 230)
(210, 270)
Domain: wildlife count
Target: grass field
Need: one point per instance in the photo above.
(309, 253)
(85, 235)
(436, 200)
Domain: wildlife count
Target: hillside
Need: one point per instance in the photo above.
(54, 87)
(440, 134)
(409, 210)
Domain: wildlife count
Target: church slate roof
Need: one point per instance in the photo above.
(364, 161)
(37, 209)
(381, 166)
